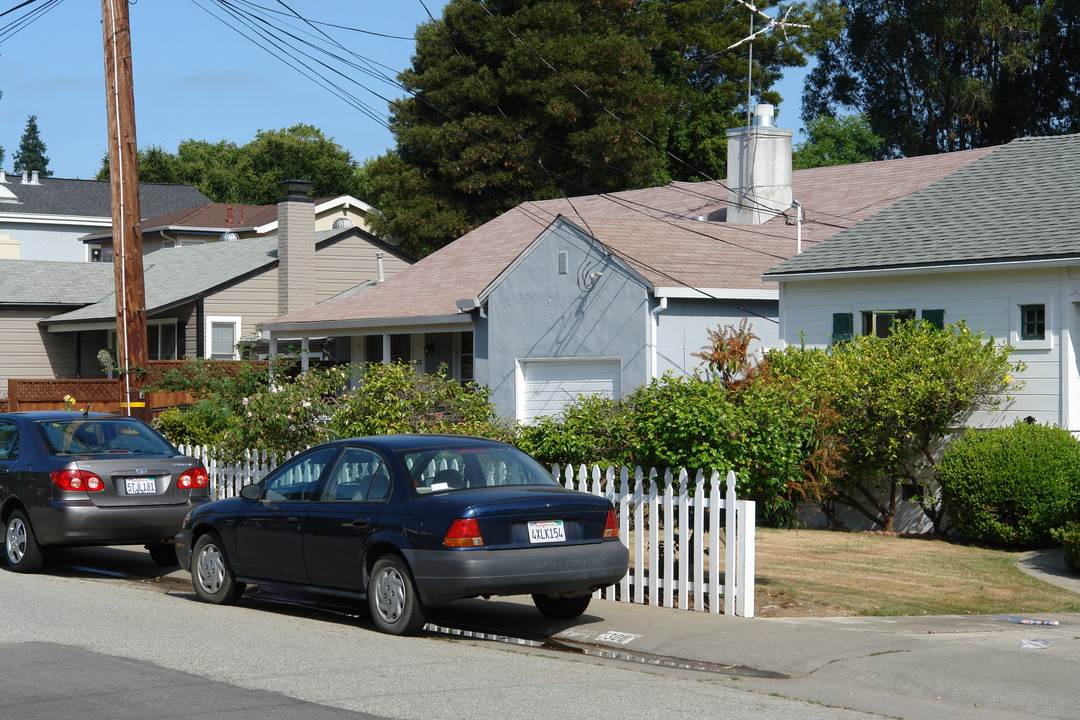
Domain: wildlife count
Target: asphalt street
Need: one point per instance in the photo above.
(496, 658)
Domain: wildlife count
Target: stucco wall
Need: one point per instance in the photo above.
(684, 325)
(537, 312)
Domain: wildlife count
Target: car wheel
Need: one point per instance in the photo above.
(210, 572)
(561, 608)
(23, 553)
(164, 554)
(395, 606)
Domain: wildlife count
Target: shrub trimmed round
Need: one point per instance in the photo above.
(1010, 486)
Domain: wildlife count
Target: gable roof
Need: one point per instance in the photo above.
(1015, 204)
(91, 198)
(653, 230)
(176, 276)
(49, 282)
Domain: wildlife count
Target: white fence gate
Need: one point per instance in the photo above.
(674, 529)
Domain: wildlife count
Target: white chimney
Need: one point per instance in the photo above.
(759, 169)
(25, 177)
(296, 248)
(34, 177)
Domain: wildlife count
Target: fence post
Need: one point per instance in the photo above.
(746, 528)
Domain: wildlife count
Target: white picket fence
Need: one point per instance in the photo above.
(674, 529)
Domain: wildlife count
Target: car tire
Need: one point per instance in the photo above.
(211, 573)
(163, 554)
(392, 597)
(561, 608)
(23, 553)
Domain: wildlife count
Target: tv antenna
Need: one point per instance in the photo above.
(771, 23)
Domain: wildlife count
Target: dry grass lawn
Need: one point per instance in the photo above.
(821, 572)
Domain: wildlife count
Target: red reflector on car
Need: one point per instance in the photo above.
(194, 478)
(611, 527)
(76, 480)
(463, 532)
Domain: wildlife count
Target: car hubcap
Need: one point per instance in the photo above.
(16, 541)
(211, 569)
(390, 595)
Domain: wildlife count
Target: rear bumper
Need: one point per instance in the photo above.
(444, 575)
(68, 523)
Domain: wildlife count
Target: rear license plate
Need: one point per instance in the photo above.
(140, 486)
(546, 531)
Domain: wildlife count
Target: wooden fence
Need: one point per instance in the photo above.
(691, 540)
(97, 395)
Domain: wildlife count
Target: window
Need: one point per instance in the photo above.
(360, 476)
(935, 318)
(880, 322)
(466, 357)
(222, 334)
(1033, 322)
(161, 341)
(9, 440)
(297, 480)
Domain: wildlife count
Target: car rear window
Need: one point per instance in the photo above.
(114, 436)
(464, 468)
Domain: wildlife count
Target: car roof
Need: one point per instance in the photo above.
(420, 441)
(50, 415)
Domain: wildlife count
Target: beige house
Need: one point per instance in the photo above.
(201, 300)
(214, 222)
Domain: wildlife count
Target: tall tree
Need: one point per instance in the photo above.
(836, 141)
(953, 74)
(252, 173)
(532, 99)
(31, 153)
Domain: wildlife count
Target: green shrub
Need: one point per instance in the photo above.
(1010, 486)
(394, 398)
(203, 423)
(1069, 536)
(591, 429)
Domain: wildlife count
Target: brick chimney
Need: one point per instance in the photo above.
(759, 169)
(296, 248)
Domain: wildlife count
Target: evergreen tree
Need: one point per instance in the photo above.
(31, 153)
(952, 74)
(532, 99)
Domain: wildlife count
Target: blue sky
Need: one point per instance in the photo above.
(197, 77)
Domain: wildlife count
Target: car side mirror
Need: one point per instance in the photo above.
(251, 492)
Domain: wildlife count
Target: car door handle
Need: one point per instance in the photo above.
(292, 520)
(360, 522)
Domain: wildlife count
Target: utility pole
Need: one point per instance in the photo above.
(131, 353)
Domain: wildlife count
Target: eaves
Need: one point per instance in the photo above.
(922, 269)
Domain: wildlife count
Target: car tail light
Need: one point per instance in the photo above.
(196, 477)
(77, 480)
(611, 527)
(463, 532)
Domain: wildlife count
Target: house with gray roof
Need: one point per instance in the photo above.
(601, 293)
(44, 218)
(995, 243)
(201, 300)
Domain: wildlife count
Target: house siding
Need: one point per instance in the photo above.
(536, 313)
(30, 351)
(987, 301)
(349, 262)
(50, 242)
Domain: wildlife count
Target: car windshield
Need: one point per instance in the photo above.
(461, 468)
(113, 436)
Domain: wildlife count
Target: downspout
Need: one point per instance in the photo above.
(654, 326)
(200, 328)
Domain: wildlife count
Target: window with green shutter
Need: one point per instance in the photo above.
(935, 318)
(843, 327)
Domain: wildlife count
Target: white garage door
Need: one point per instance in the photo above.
(547, 385)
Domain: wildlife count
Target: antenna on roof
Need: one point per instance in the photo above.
(771, 23)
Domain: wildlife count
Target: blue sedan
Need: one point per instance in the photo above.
(407, 522)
